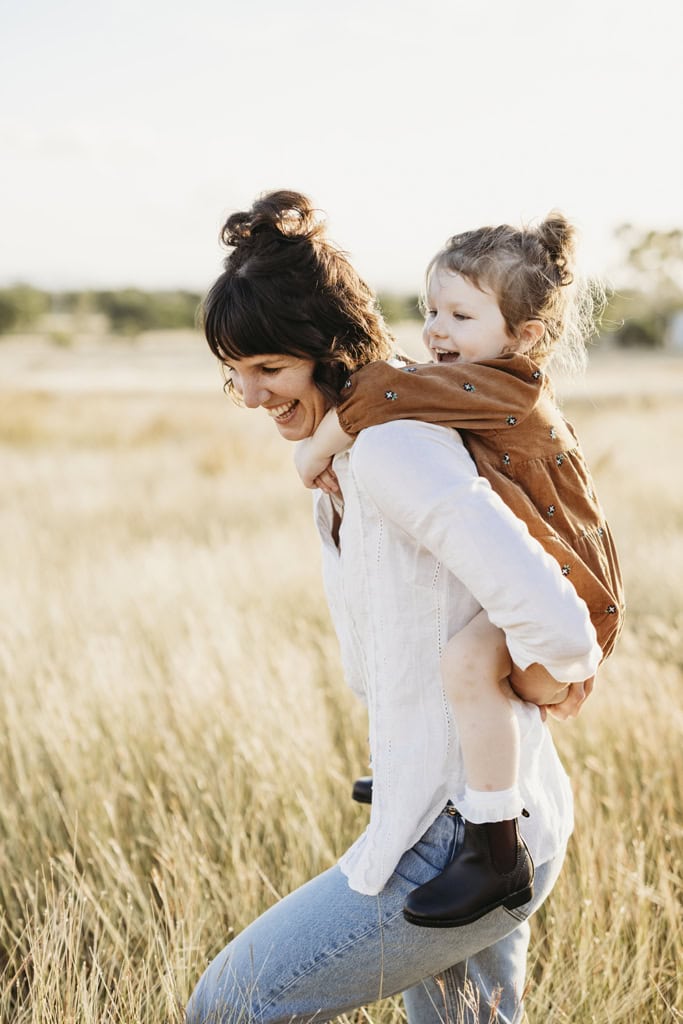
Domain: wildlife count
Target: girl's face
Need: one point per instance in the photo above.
(463, 323)
(283, 385)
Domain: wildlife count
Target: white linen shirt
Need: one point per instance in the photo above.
(424, 544)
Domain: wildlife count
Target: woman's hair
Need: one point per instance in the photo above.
(287, 289)
(531, 272)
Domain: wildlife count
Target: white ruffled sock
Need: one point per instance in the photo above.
(480, 806)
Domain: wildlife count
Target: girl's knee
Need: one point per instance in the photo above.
(462, 661)
(475, 657)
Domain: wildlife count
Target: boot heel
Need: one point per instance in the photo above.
(518, 899)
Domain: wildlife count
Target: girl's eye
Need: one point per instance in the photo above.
(270, 370)
(460, 316)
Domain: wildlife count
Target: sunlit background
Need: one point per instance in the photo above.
(176, 744)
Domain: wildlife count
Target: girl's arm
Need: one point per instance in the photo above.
(490, 395)
(313, 456)
(483, 396)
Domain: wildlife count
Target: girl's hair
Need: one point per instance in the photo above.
(287, 289)
(531, 273)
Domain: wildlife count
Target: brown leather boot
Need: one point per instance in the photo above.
(472, 884)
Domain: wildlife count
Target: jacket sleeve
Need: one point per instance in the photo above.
(483, 396)
(423, 480)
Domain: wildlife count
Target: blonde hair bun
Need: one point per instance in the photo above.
(558, 237)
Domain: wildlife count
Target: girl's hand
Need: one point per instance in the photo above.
(537, 686)
(313, 456)
(577, 695)
(327, 481)
(314, 469)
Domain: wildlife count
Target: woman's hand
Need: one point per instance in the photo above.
(537, 686)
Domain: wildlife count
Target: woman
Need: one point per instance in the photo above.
(416, 547)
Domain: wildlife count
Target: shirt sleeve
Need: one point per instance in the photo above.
(483, 396)
(422, 479)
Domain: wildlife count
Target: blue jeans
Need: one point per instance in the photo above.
(325, 949)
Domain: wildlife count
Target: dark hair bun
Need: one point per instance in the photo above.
(559, 239)
(275, 215)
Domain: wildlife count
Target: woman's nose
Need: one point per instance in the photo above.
(252, 392)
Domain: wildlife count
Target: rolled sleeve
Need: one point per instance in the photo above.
(422, 478)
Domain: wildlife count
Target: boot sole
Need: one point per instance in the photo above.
(511, 902)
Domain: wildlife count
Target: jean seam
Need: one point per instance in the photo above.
(376, 927)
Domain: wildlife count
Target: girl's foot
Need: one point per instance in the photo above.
(484, 874)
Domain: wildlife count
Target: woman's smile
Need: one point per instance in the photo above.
(281, 413)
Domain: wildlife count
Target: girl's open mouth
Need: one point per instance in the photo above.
(442, 355)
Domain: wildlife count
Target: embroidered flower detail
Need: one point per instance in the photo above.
(511, 420)
(559, 459)
(506, 459)
(468, 387)
(553, 435)
(566, 569)
(347, 383)
(601, 532)
(611, 609)
(391, 396)
(536, 375)
(551, 510)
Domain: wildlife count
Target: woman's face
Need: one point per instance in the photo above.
(283, 385)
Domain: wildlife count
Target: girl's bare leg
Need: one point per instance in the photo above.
(492, 867)
(475, 668)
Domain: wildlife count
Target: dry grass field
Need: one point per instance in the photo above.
(177, 742)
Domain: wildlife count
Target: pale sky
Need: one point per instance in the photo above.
(129, 129)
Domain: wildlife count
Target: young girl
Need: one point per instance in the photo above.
(499, 303)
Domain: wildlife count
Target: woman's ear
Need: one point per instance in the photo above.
(530, 333)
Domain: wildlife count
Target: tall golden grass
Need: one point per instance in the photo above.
(178, 746)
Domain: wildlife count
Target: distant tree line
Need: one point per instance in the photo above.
(639, 313)
(128, 311)
(642, 311)
(397, 308)
(21, 306)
